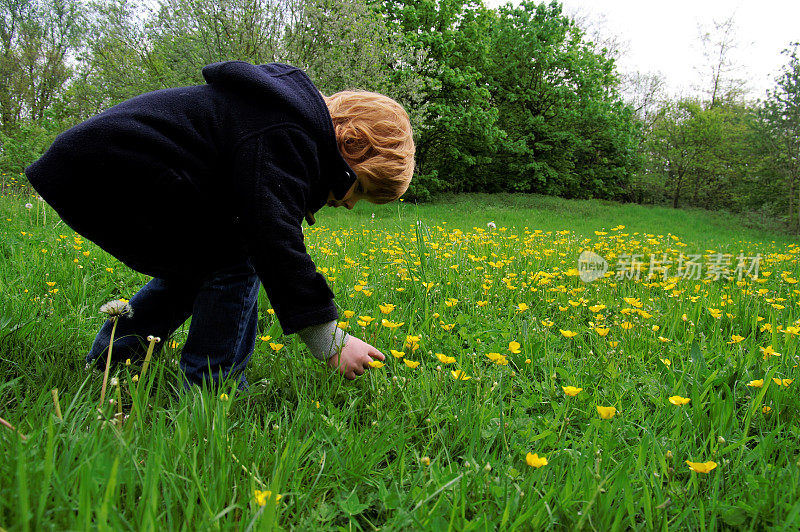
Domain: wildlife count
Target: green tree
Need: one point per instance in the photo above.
(566, 130)
(781, 117)
(39, 42)
(455, 120)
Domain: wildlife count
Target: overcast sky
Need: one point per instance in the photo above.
(664, 36)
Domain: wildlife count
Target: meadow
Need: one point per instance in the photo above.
(515, 395)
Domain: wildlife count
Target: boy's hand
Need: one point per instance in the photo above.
(355, 358)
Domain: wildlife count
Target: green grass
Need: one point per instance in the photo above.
(404, 448)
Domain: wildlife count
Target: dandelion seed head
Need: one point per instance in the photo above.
(117, 307)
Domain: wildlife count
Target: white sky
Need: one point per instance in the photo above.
(664, 36)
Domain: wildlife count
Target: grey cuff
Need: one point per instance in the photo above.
(324, 340)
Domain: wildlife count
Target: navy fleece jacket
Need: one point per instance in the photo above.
(180, 182)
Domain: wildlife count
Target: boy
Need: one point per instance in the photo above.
(205, 188)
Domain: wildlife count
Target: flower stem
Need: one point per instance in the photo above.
(108, 362)
(153, 341)
(54, 391)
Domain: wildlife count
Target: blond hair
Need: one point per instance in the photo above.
(375, 138)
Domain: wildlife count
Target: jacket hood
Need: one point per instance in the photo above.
(291, 86)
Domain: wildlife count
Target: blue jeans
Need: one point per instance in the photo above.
(224, 310)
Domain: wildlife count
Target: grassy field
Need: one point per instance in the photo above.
(491, 412)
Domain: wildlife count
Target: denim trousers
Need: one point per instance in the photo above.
(223, 306)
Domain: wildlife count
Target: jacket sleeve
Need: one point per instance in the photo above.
(273, 173)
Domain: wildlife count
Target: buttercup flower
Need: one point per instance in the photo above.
(701, 467)
(376, 364)
(444, 359)
(782, 382)
(460, 375)
(514, 347)
(571, 391)
(606, 412)
(678, 400)
(534, 460)
(411, 363)
(568, 334)
(262, 497)
(758, 383)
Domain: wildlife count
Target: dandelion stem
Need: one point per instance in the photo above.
(153, 341)
(108, 361)
(54, 391)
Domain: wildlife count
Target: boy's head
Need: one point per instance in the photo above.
(375, 138)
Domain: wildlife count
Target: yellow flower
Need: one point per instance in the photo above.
(270, 311)
(482, 303)
(601, 331)
(766, 409)
(663, 340)
(735, 339)
(348, 314)
(223, 397)
(606, 412)
(782, 382)
(597, 308)
(548, 323)
(769, 351)
(701, 467)
(444, 359)
(276, 347)
(568, 334)
(460, 375)
(522, 307)
(447, 326)
(717, 313)
(390, 324)
(363, 321)
(572, 391)
(758, 383)
(397, 354)
(667, 362)
(411, 363)
(514, 347)
(386, 308)
(612, 344)
(626, 325)
(451, 301)
(678, 400)
(262, 497)
(633, 301)
(376, 364)
(266, 338)
(534, 460)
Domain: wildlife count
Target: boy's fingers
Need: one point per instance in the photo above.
(377, 354)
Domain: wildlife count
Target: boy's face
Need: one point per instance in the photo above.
(357, 192)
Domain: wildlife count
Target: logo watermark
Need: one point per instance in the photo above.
(592, 266)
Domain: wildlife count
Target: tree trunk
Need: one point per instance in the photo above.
(676, 197)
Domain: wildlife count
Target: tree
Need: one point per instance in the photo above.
(567, 131)
(781, 115)
(455, 121)
(37, 41)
